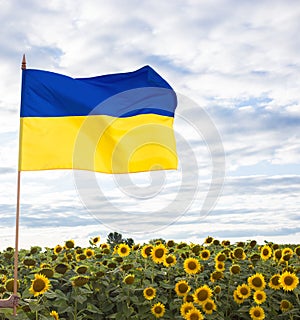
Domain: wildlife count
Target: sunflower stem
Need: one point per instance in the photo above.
(75, 305)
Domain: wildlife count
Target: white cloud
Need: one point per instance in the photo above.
(238, 60)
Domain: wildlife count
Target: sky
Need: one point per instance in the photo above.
(235, 67)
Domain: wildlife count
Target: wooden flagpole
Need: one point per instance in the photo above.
(16, 257)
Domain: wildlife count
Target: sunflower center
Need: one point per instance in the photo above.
(275, 281)
(285, 304)
(123, 250)
(288, 280)
(204, 254)
(278, 254)
(192, 265)
(149, 292)
(159, 253)
(256, 313)
(235, 269)
(208, 306)
(259, 296)
(221, 257)
(158, 309)
(257, 282)
(189, 298)
(182, 288)
(238, 252)
(244, 291)
(187, 309)
(194, 316)
(202, 295)
(38, 285)
(169, 260)
(265, 252)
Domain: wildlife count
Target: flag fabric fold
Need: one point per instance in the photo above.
(115, 123)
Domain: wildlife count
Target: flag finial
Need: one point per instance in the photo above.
(23, 62)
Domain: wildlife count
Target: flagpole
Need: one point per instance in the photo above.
(16, 257)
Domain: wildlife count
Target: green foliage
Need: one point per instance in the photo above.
(101, 289)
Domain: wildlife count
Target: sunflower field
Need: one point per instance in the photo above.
(161, 279)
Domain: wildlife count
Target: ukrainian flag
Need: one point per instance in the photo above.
(114, 123)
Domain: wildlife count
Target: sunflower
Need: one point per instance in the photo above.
(129, 279)
(81, 269)
(69, 256)
(29, 262)
(191, 265)
(202, 294)
(149, 293)
(123, 250)
(216, 275)
(257, 313)
(238, 253)
(288, 281)
(252, 243)
(54, 314)
(57, 249)
(89, 252)
(95, 240)
(277, 254)
(287, 251)
(259, 296)
(158, 253)
(61, 268)
(195, 248)
(111, 265)
(286, 257)
(194, 314)
(158, 310)
(209, 240)
(238, 299)
(185, 308)
(204, 254)
(225, 243)
(106, 251)
(105, 246)
(257, 282)
(265, 252)
(285, 305)
(235, 269)
(136, 247)
(146, 250)
(297, 251)
(69, 244)
(220, 266)
(274, 282)
(39, 285)
(9, 285)
(181, 245)
(170, 243)
(209, 306)
(189, 298)
(217, 289)
(182, 288)
(244, 291)
(170, 260)
(80, 257)
(78, 250)
(220, 257)
(79, 281)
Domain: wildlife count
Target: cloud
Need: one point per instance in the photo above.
(239, 61)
